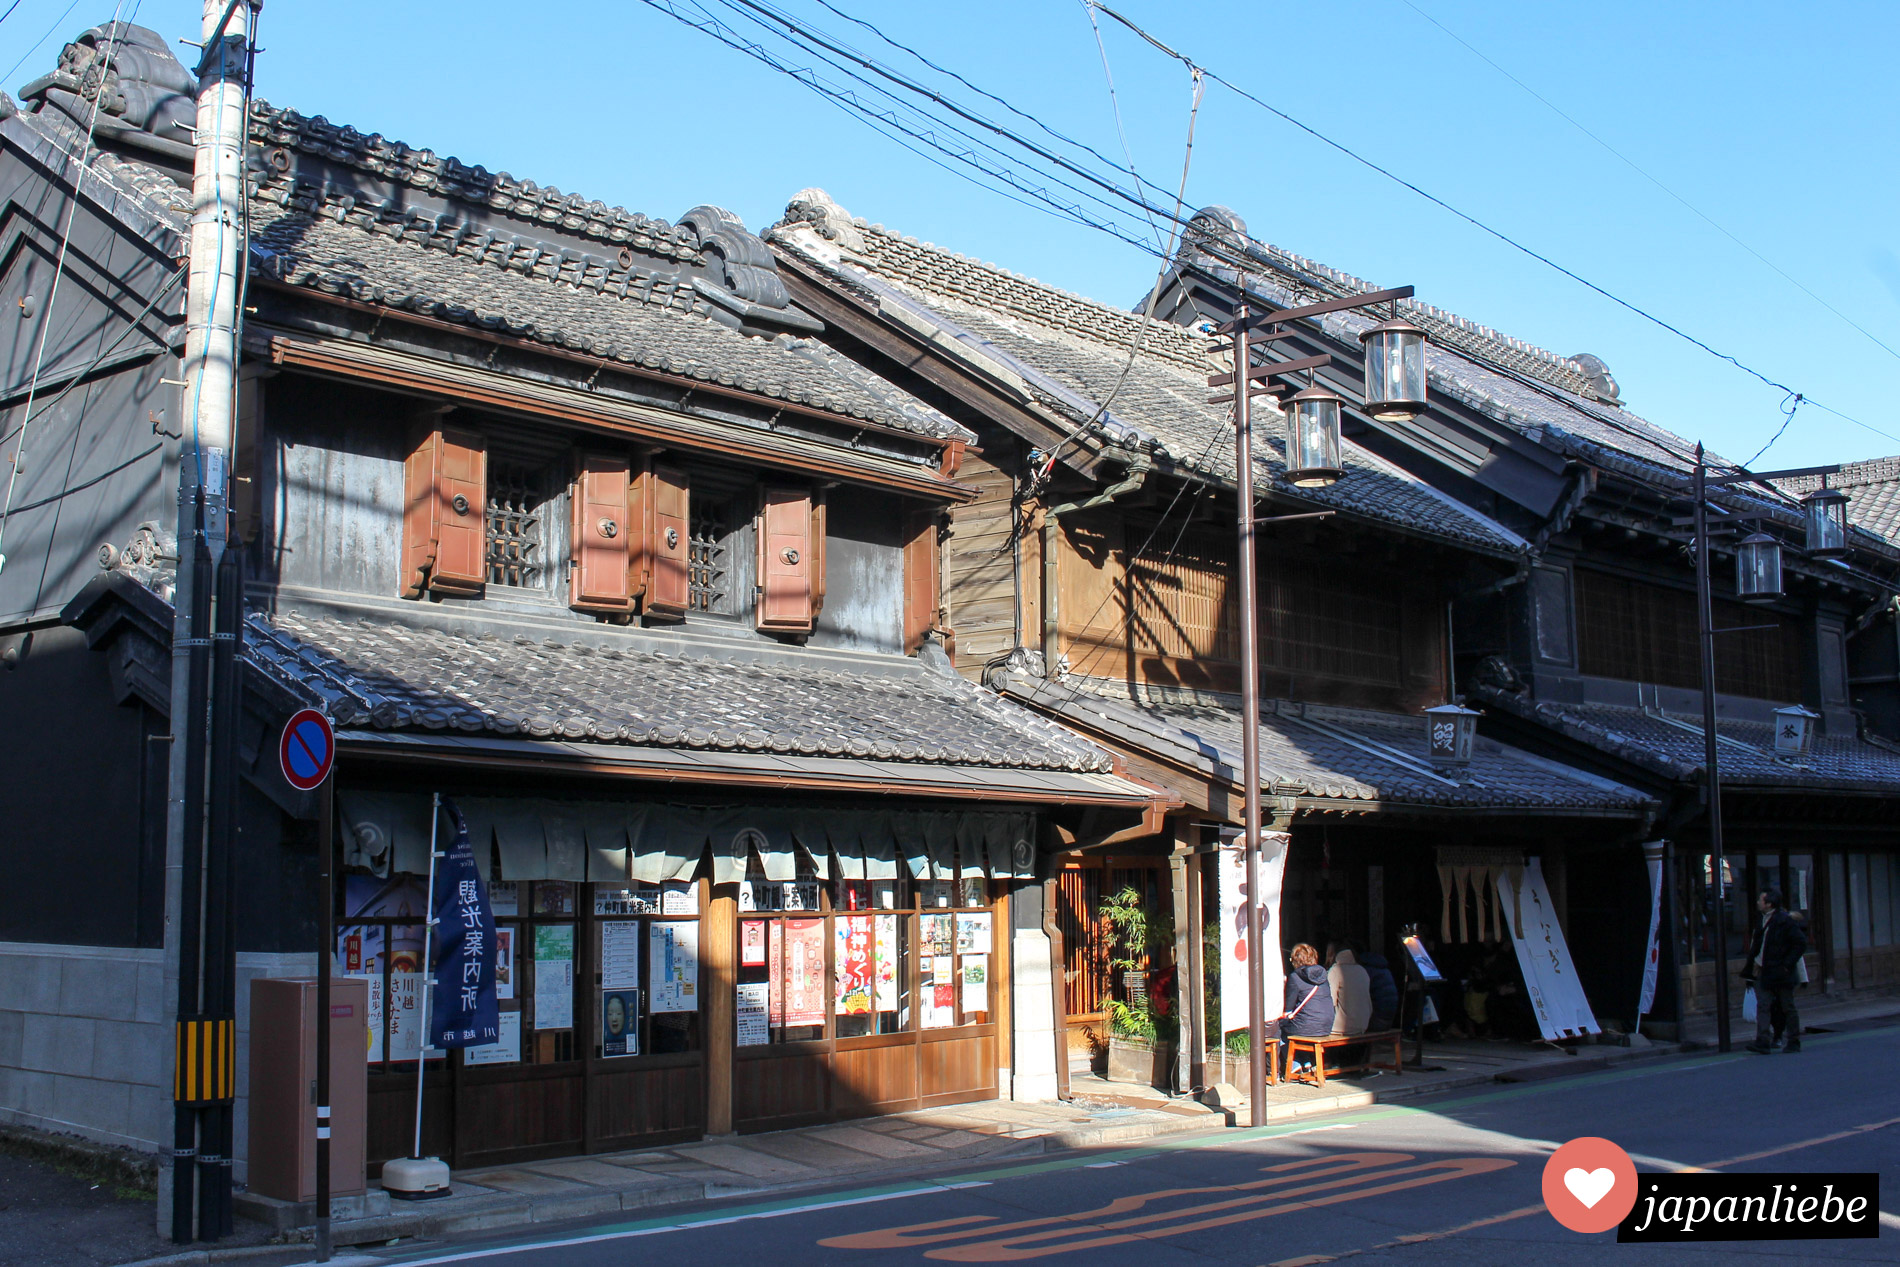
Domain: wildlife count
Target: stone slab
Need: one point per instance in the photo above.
(586, 1170)
(871, 1142)
(743, 1160)
(800, 1146)
(525, 1181)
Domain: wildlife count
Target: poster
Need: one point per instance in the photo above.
(1233, 928)
(752, 943)
(403, 1005)
(505, 897)
(1550, 979)
(679, 897)
(754, 999)
(887, 963)
(976, 983)
(798, 973)
(505, 963)
(619, 955)
(504, 1051)
(940, 992)
(973, 934)
(674, 956)
(554, 976)
(1646, 998)
(375, 982)
(1422, 959)
(940, 934)
(856, 960)
(620, 1022)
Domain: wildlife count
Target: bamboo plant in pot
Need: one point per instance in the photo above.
(1143, 1029)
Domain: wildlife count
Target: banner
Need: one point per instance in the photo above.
(1234, 950)
(463, 1012)
(856, 960)
(1652, 955)
(1550, 978)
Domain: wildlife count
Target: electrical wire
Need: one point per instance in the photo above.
(1640, 171)
(40, 42)
(10, 9)
(77, 156)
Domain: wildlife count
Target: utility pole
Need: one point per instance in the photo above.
(200, 1173)
(1711, 757)
(1258, 1055)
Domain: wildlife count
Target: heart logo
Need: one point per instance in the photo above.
(1589, 1186)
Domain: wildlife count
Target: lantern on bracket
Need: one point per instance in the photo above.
(1794, 731)
(1395, 369)
(1826, 512)
(1758, 568)
(1312, 437)
(1449, 731)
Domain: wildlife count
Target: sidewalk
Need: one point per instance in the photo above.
(1699, 1030)
(578, 1187)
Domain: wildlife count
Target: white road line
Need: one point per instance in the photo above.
(1889, 1220)
(688, 1224)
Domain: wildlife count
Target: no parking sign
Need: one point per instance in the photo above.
(307, 750)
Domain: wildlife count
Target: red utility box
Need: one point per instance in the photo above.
(283, 1143)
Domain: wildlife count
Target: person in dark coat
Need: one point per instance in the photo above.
(1775, 948)
(1384, 988)
(1309, 997)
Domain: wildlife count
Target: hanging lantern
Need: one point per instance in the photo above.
(1827, 522)
(1794, 731)
(1395, 370)
(1758, 568)
(1449, 730)
(1312, 438)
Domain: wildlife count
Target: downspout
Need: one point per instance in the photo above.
(1137, 476)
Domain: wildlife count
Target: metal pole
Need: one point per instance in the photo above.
(428, 968)
(1250, 730)
(1706, 618)
(326, 965)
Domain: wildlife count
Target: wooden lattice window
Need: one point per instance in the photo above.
(708, 567)
(1637, 631)
(517, 526)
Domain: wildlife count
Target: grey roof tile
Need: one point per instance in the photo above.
(1070, 354)
(397, 677)
(1339, 754)
(1873, 493)
(1672, 746)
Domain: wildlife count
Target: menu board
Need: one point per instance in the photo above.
(798, 973)
(554, 976)
(674, 958)
(754, 999)
(856, 959)
(619, 955)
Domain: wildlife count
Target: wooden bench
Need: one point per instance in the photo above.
(1316, 1047)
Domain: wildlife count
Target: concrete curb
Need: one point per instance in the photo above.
(209, 1257)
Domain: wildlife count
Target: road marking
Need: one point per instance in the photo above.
(1351, 1177)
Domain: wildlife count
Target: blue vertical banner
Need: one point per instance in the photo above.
(464, 1012)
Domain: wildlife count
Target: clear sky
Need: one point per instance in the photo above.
(1777, 122)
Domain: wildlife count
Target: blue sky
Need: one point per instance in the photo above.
(1775, 121)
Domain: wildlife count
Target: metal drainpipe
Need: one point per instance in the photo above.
(1137, 476)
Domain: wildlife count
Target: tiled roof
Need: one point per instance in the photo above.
(1671, 745)
(394, 677)
(1873, 493)
(1069, 354)
(1346, 755)
(634, 302)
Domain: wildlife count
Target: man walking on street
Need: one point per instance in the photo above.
(1774, 953)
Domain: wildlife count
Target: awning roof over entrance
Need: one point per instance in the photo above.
(1323, 757)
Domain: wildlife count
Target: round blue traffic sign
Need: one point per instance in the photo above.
(308, 749)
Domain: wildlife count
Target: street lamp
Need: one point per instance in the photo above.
(1312, 438)
(1449, 730)
(1826, 510)
(1395, 369)
(1794, 731)
(1313, 461)
(1758, 568)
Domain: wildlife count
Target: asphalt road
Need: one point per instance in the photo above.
(1455, 1181)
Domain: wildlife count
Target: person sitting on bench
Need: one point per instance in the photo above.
(1309, 997)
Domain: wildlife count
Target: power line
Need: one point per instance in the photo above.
(1640, 171)
(10, 9)
(57, 23)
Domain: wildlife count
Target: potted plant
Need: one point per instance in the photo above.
(1143, 1030)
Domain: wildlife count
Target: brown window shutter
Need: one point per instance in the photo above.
(599, 535)
(660, 511)
(921, 587)
(444, 521)
(819, 533)
(786, 560)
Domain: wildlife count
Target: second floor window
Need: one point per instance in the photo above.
(1638, 631)
(709, 564)
(517, 526)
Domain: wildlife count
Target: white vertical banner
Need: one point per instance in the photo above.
(1550, 978)
(1652, 953)
(1234, 950)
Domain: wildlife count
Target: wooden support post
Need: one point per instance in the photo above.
(1003, 1001)
(1185, 982)
(1194, 1009)
(718, 950)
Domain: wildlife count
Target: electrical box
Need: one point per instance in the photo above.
(283, 1101)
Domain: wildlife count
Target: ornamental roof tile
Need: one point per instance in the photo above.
(1347, 755)
(403, 677)
(1070, 354)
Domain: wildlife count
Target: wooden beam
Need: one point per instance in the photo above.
(719, 976)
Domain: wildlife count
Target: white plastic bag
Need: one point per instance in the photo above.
(1748, 1004)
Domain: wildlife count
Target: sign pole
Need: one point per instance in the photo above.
(428, 963)
(326, 950)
